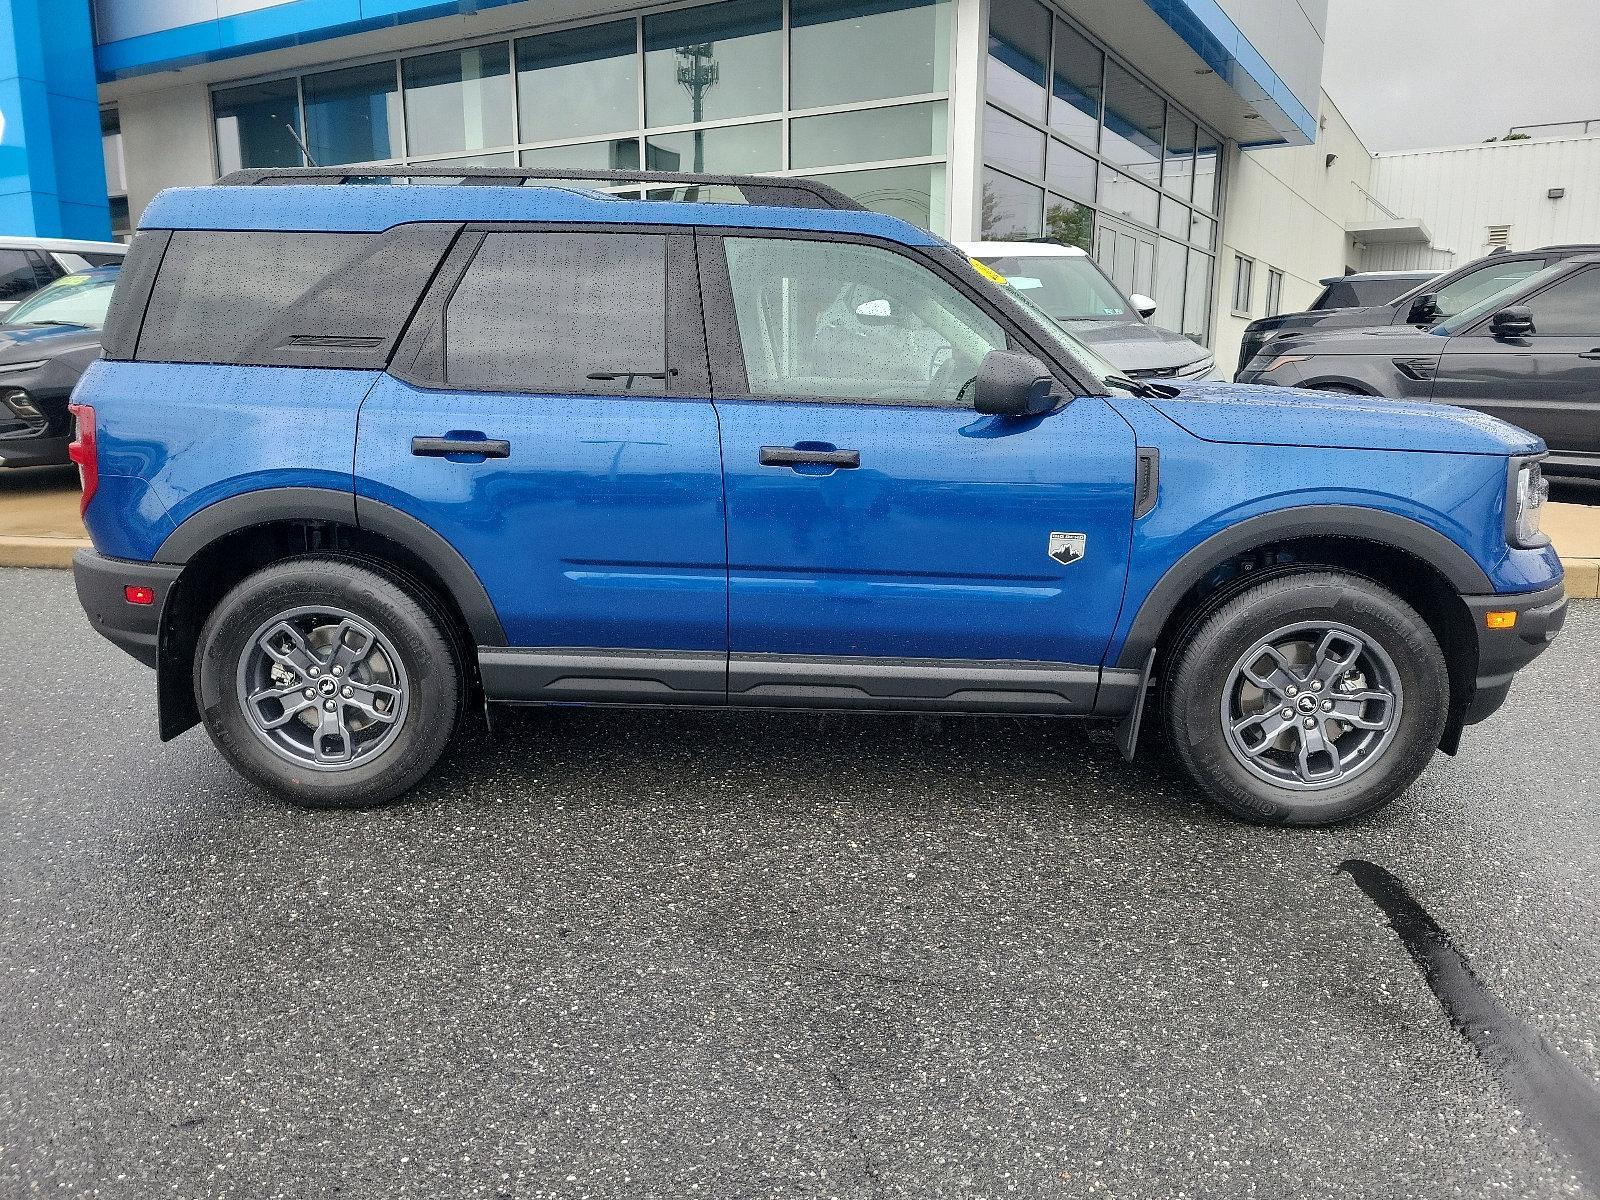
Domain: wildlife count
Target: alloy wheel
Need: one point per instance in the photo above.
(322, 688)
(1311, 705)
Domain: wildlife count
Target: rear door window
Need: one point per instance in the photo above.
(561, 314)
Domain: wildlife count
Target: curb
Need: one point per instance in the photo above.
(16, 551)
(1583, 577)
(1583, 574)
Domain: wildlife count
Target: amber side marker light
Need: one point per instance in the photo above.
(1500, 620)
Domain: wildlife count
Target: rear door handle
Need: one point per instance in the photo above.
(443, 447)
(1595, 353)
(788, 456)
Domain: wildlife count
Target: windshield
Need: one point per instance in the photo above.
(1493, 303)
(1069, 287)
(71, 300)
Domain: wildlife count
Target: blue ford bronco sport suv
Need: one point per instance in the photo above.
(359, 459)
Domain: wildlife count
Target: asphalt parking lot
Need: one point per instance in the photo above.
(671, 954)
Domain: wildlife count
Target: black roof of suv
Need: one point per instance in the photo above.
(1454, 290)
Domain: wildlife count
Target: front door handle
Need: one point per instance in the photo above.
(789, 456)
(443, 447)
(1595, 353)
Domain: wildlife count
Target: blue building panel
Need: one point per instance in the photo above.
(294, 23)
(52, 169)
(1211, 34)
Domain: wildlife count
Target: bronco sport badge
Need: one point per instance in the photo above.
(1066, 548)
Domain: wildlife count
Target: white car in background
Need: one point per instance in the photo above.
(1070, 287)
(29, 263)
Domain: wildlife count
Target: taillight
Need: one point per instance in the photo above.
(84, 451)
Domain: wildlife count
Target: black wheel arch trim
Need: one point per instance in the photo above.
(1296, 524)
(268, 505)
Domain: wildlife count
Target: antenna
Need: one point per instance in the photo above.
(299, 141)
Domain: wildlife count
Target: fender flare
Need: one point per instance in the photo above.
(215, 521)
(1322, 520)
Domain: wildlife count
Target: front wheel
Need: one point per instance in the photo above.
(328, 682)
(1308, 699)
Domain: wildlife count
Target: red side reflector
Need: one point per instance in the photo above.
(85, 451)
(136, 594)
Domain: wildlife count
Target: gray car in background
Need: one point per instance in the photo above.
(1069, 286)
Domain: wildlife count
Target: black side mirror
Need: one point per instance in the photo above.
(1013, 385)
(1424, 309)
(1513, 322)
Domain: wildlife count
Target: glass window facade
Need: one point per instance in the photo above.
(1125, 173)
(854, 92)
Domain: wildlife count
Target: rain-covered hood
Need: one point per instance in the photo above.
(1269, 416)
(1135, 346)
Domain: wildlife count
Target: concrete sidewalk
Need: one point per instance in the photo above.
(39, 527)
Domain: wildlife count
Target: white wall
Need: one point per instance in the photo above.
(1287, 209)
(1460, 191)
(166, 139)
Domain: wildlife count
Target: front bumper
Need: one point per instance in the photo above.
(101, 584)
(34, 451)
(1504, 652)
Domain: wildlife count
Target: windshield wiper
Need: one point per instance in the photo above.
(63, 324)
(1143, 390)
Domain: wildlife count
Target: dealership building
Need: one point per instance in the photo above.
(1107, 123)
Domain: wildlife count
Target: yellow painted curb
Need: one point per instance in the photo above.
(39, 551)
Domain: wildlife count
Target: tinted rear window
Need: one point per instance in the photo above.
(219, 291)
(561, 313)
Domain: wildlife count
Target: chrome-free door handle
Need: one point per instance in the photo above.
(443, 447)
(788, 456)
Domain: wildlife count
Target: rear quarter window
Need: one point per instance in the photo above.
(218, 292)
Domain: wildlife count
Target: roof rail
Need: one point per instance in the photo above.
(756, 189)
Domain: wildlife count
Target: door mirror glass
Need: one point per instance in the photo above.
(1513, 322)
(1424, 309)
(1146, 307)
(1010, 384)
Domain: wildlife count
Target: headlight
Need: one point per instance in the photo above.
(1526, 493)
(1196, 370)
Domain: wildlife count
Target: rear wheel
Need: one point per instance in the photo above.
(1308, 699)
(327, 681)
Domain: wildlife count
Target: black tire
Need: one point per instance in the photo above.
(427, 681)
(1205, 674)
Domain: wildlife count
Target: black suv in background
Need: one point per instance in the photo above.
(1431, 301)
(1366, 289)
(46, 343)
(1528, 354)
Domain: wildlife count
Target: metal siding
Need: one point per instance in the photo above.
(1460, 192)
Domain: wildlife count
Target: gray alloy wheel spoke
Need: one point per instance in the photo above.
(1327, 665)
(363, 701)
(1271, 723)
(292, 701)
(1355, 708)
(298, 658)
(1314, 743)
(330, 726)
(345, 656)
(1276, 681)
